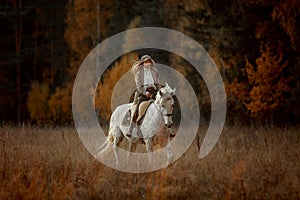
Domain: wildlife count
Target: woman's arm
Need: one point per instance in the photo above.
(139, 82)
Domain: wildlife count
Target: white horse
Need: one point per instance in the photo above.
(157, 117)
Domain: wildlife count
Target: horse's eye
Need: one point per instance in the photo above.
(169, 98)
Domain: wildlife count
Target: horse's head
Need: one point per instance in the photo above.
(164, 99)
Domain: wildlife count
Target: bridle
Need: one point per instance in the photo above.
(170, 114)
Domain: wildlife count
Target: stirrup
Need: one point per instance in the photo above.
(129, 133)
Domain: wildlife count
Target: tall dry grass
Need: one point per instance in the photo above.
(247, 163)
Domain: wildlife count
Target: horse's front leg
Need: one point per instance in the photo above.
(117, 140)
(149, 149)
(131, 148)
(170, 157)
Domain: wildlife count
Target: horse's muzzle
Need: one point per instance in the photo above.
(169, 125)
(172, 135)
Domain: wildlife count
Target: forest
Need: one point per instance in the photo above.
(254, 43)
(255, 46)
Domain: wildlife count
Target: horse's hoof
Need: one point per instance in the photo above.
(128, 135)
(142, 140)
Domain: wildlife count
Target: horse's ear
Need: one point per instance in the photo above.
(160, 93)
(173, 92)
(167, 85)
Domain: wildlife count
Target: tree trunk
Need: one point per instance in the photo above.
(18, 42)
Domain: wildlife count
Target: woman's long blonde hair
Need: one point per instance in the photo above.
(135, 67)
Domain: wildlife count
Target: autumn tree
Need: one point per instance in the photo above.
(122, 13)
(263, 86)
(103, 97)
(251, 41)
(32, 50)
(60, 102)
(267, 80)
(18, 44)
(37, 102)
(86, 28)
(48, 62)
(218, 27)
(286, 14)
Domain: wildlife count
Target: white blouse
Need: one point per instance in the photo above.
(148, 78)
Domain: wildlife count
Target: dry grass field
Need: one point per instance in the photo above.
(247, 163)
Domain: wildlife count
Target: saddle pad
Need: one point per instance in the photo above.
(143, 108)
(126, 119)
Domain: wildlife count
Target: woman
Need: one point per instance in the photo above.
(147, 82)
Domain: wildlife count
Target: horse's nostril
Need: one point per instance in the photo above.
(172, 135)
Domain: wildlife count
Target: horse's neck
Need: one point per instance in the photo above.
(154, 115)
(157, 103)
(157, 108)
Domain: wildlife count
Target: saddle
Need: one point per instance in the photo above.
(140, 112)
(142, 108)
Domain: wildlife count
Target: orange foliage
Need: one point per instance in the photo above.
(37, 101)
(267, 80)
(86, 27)
(238, 91)
(60, 104)
(43, 106)
(286, 13)
(105, 89)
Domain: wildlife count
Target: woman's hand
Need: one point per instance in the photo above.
(149, 95)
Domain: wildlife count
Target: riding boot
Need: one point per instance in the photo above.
(135, 99)
(139, 133)
(131, 126)
(132, 119)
